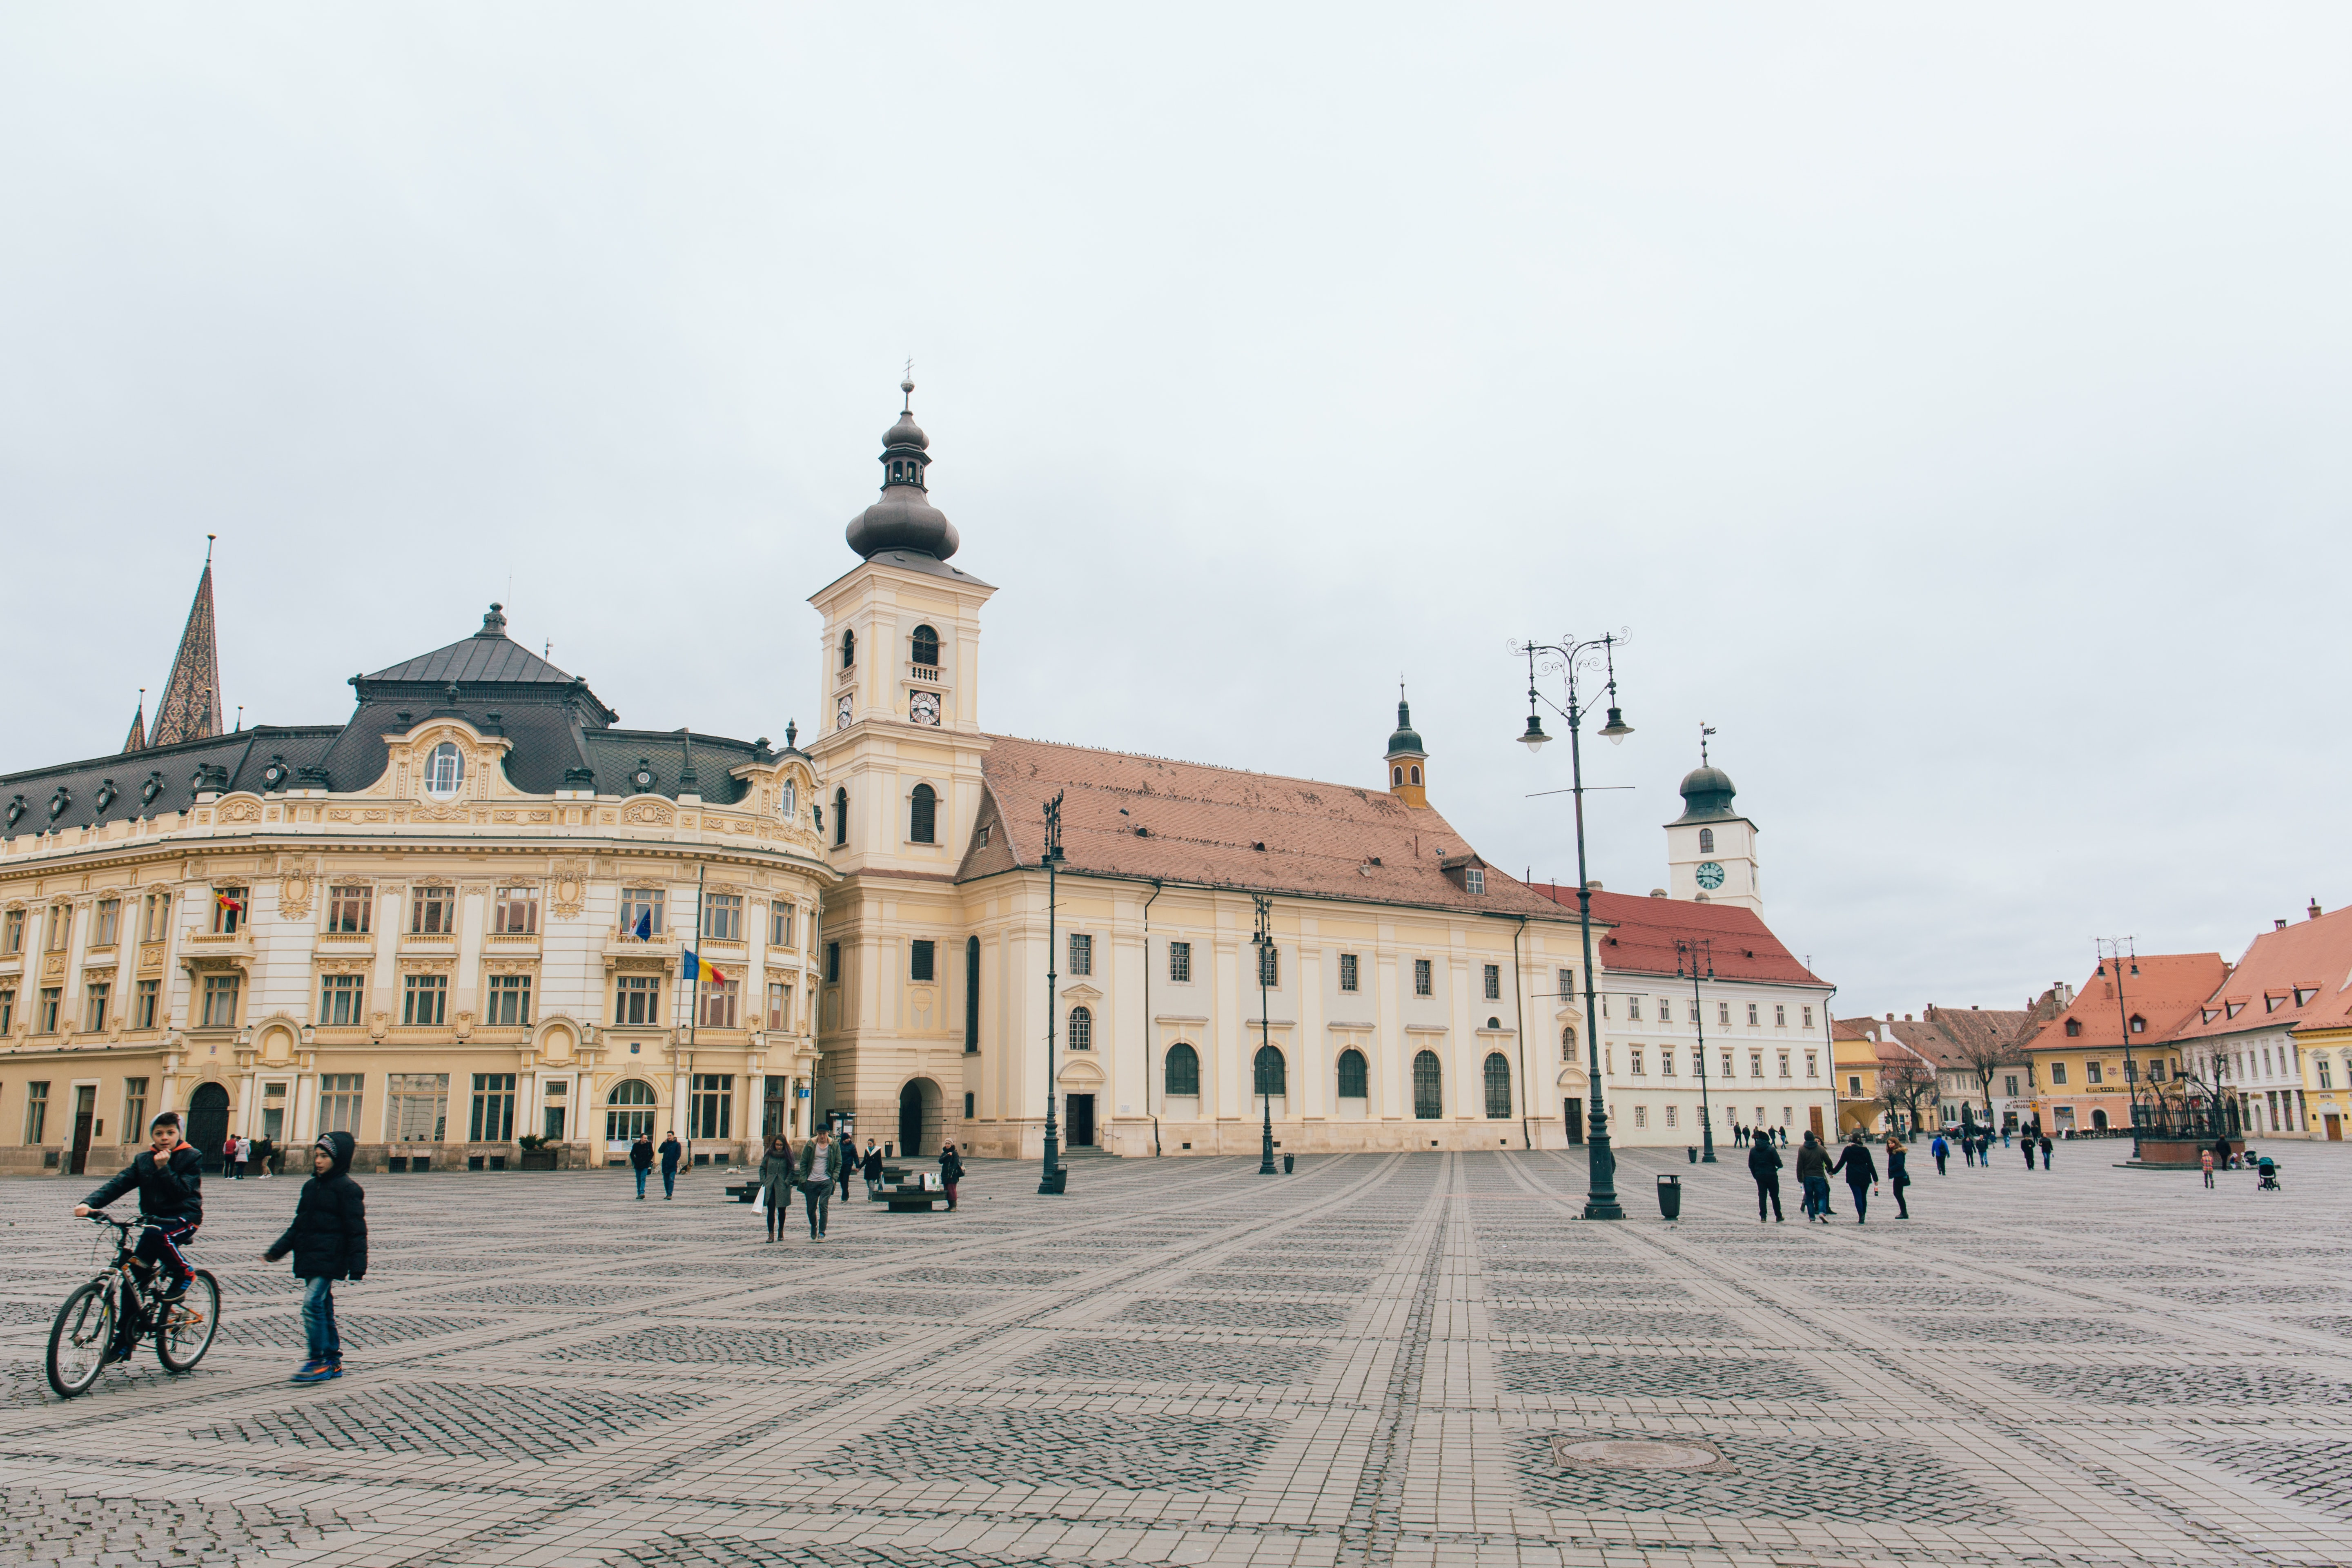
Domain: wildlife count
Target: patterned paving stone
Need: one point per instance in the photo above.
(1159, 1361)
(1952, 1328)
(2315, 1473)
(42, 1525)
(2227, 1383)
(959, 1277)
(1614, 1323)
(1880, 1483)
(715, 1350)
(358, 1331)
(737, 1551)
(553, 1296)
(480, 1422)
(1213, 1314)
(1059, 1448)
(1299, 1283)
(1656, 1377)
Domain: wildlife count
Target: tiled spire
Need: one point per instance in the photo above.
(190, 709)
(137, 739)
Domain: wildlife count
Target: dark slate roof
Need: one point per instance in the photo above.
(488, 654)
(245, 756)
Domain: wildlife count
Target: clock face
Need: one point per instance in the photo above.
(924, 708)
(644, 780)
(841, 713)
(1710, 876)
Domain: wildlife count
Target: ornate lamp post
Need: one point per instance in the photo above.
(1264, 942)
(1687, 956)
(1054, 1178)
(1600, 1160)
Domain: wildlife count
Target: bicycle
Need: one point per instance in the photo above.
(105, 1320)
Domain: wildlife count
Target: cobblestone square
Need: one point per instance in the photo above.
(1180, 1361)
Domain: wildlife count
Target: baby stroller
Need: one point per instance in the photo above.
(2269, 1168)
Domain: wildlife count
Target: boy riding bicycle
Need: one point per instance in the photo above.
(170, 1176)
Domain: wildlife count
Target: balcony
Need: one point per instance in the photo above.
(924, 674)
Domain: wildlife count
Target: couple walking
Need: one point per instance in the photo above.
(1813, 1172)
(823, 1164)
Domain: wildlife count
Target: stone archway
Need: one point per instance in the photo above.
(208, 1122)
(920, 1105)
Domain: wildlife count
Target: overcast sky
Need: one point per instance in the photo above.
(1953, 407)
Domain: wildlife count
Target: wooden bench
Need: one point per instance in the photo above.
(911, 1200)
(742, 1195)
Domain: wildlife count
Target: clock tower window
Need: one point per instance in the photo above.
(1706, 840)
(841, 817)
(923, 816)
(927, 648)
(848, 650)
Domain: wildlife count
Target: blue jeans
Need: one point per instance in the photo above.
(1817, 1195)
(670, 1180)
(642, 1171)
(820, 1201)
(318, 1320)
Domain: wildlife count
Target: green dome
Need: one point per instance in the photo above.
(1707, 794)
(1405, 741)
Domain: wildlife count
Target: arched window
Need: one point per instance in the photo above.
(841, 815)
(1498, 1087)
(445, 770)
(1567, 1044)
(1270, 1077)
(1355, 1082)
(1428, 1087)
(923, 816)
(927, 648)
(1183, 1070)
(1396, 775)
(848, 650)
(1417, 773)
(629, 1111)
(1082, 1029)
(971, 995)
(1706, 840)
(790, 801)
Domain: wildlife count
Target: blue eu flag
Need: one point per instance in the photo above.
(645, 931)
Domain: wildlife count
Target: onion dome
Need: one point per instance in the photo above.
(904, 517)
(1406, 741)
(1707, 794)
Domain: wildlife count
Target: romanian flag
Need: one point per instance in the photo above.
(222, 901)
(701, 969)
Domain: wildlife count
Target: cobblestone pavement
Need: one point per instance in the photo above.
(1415, 1359)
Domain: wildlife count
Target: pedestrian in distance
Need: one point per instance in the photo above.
(1861, 1173)
(2027, 1141)
(950, 1172)
(2045, 1151)
(1764, 1164)
(1898, 1174)
(2206, 1160)
(328, 1241)
(777, 1179)
(846, 1147)
(871, 1168)
(641, 1161)
(1942, 1150)
(1812, 1175)
(264, 1151)
(672, 1150)
(2221, 1153)
(1968, 1149)
(820, 1165)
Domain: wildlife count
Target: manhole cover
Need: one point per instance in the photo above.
(1637, 1454)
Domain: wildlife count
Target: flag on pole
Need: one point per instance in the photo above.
(645, 931)
(221, 899)
(701, 969)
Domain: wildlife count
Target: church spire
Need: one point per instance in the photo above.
(190, 707)
(137, 739)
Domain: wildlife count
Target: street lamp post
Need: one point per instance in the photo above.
(1600, 1160)
(1265, 941)
(2114, 953)
(1052, 1178)
(1690, 950)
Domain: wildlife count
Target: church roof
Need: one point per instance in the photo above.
(190, 707)
(1644, 931)
(1152, 819)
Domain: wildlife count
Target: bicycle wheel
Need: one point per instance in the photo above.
(81, 1338)
(189, 1325)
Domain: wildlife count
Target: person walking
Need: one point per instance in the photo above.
(1861, 1173)
(1898, 1174)
(1942, 1150)
(263, 1152)
(2045, 1151)
(1812, 1176)
(870, 1167)
(328, 1240)
(641, 1160)
(820, 1167)
(846, 1146)
(672, 1150)
(2206, 1160)
(2027, 1141)
(777, 1178)
(950, 1172)
(2221, 1153)
(1764, 1164)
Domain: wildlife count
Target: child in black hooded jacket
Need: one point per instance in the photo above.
(328, 1241)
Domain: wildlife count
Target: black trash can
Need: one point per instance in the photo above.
(1693, 1152)
(1670, 1197)
(1285, 1165)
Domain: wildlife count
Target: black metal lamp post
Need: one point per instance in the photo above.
(2114, 953)
(1054, 1178)
(1687, 955)
(1265, 941)
(1600, 1160)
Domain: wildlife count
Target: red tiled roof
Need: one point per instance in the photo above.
(2313, 956)
(1644, 931)
(2166, 991)
(1190, 823)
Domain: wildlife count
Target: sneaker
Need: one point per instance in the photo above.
(316, 1372)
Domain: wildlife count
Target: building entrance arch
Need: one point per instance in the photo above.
(208, 1122)
(919, 1102)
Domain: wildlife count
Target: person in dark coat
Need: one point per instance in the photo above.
(672, 1152)
(328, 1241)
(1814, 1177)
(822, 1162)
(950, 1172)
(777, 1178)
(2045, 1151)
(170, 1176)
(1764, 1164)
(1898, 1174)
(641, 1161)
(870, 1167)
(1861, 1171)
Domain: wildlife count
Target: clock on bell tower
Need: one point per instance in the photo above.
(1710, 848)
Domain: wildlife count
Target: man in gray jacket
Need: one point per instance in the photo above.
(821, 1165)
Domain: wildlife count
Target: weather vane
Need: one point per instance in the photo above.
(1705, 730)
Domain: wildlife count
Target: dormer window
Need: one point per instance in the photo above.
(444, 771)
(2233, 1008)
(2138, 1025)
(927, 648)
(2271, 1004)
(2073, 1027)
(1706, 840)
(1475, 879)
(2304, 993)
(849, 650)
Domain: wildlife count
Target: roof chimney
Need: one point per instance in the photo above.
(2314, 908)
(2278, 925)
(1657, 892)
(1594, 884)
(1890, 1017)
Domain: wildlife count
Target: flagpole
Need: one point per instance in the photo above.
(693, 1005)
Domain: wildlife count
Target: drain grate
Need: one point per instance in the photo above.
(1573, 1451)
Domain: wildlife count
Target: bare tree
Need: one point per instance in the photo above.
(1903, 1082)
(1984, 1058)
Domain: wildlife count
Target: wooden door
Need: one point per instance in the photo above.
(85, 1110)
(1815, 1113)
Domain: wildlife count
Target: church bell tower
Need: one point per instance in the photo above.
(1710, 848)
(1408, 764)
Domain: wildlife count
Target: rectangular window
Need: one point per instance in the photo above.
(1808, 1018)
(1814, 1066)
(94, 997)
(416, 1107)
(1082, 953)
(1670, 1115)
(1567, 983)
(641, 911)
(105, 926)
(2091, 1073)
(1723, 1014)
(339, 1102)
(2325, 1081)
(1348, 972)
(713, 1107)
(723, 917)
(1180, 962)
(1779, 1016)
(2009, 1086)
(1641, 1116)
(134, 1109)
(143, 1001)
(1474, 880)
(968, 1097)
(1666, 1061)
(1423, 983)
(1784, 1066)
(721, 1001)
(433, 910)
(833, 963)
(494, 1097)
(37, 1111)
(780, 925)
(1854, 1085)
(60, 925)
(351, 911)
(1269, 965)
(1756, 1064)
(514, 911)
(509, 1002)
(637, 999)
(2131, 1074)
(1698, 1062)
(425, 1001)
(1493, 982)
(780, 1005)
(922, 960)
(156, 917)
(220, 1000)
(12, 932)
(1751, 1015)
(2057, 1072)
(1634, 1008)
(1633, 1055)
(343, 1001)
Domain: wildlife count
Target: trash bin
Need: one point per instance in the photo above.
(1693, 1152)
(1285, 1165)
(1670, 1195)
